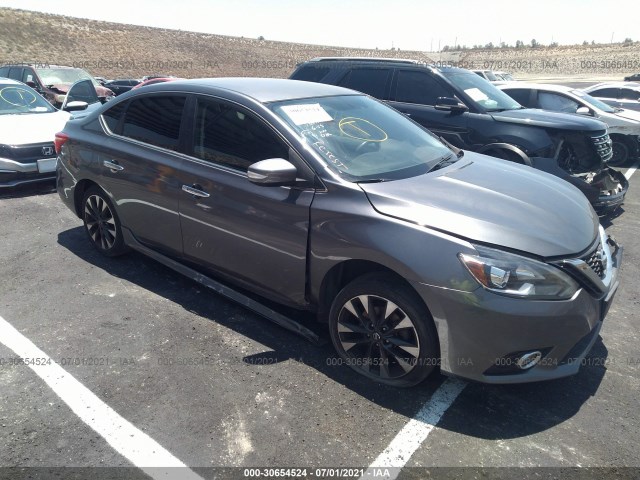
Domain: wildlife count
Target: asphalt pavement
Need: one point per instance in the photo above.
(214, 390)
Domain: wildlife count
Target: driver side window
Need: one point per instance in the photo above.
(557, 103)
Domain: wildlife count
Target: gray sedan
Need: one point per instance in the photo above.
(416, 255)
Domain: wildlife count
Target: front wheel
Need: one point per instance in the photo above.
(383, 331)
(621, 152)
(101, 223)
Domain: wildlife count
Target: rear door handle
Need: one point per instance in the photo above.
(112, 165)
(195, 191)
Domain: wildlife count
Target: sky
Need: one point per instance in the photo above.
(408, 25)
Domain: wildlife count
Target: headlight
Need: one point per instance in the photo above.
(517, 276)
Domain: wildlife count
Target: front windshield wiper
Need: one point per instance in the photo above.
(372, 180)
(445, 162)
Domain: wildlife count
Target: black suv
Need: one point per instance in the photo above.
(471, 113)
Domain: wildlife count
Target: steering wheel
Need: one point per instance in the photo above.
(366, 147)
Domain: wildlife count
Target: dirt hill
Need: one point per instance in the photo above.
(117, 50)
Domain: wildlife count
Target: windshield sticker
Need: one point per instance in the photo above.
(362, 129)
(476, 94)
(18, 97)
(307, 113)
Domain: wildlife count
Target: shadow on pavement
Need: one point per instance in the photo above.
(483, 411)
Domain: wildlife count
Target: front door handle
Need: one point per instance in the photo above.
(195, 190)
(112, 165)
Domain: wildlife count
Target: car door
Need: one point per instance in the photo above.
(255, 234)
(415, 93)
(139, 164)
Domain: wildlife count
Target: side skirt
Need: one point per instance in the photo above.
(224, 290)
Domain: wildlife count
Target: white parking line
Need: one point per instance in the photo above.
(409, 439)
(136, 446)
(632, 170)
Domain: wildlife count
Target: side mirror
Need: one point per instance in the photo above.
(75, 106)
(583, 111)
(272, 172)
(449, 104)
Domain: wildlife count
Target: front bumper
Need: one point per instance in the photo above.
(479, 331)
(14, 173)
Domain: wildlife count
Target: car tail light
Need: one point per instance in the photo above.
(61, 139)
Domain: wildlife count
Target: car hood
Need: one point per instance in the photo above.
(495, 202)
(547, 119)
(31, 128)
(629, 114)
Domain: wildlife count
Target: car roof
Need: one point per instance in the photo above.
(631, 85)
(264, 90)
(549, 87)
(10, 81)
(39, 65)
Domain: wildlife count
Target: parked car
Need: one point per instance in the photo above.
(624, 125)
(81, 99)
(487, 75)
(28, 124)
(472, 114)
(51, 81)
(324, 199)
(102, 80)
(153, 81)
(504, 76)
(617, 94)
(122, 85)
(633, 78)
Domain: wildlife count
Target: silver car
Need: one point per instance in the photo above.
(417, 256)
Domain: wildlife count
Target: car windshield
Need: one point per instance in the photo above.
(481, 92)
(52, 76)
(18, 99)
(362, 139)
(594, 102)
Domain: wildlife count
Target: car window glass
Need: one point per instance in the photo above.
(419, 87)
(371, 81)
(15, 73)
(520, 95)
(82, 91)
(629, 94)
(227, 136)
(28, 76)
(113, 115)
(4, 71)
(556, 103)
(311, 73)
(605, 92)
(155, 120)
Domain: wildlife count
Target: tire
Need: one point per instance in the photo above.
(101, 223)
(399, 347)
(621, 151)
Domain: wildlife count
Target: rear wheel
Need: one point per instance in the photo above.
(101, 223)
(383, 331)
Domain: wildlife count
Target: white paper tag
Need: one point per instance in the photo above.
(307, 113)
(476, 94)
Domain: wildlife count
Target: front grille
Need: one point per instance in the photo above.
(27, 153)
(596, 260)
(603, 146)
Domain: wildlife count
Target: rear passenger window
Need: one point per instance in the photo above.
(4, 71)
(371, 81)
(15, 73)
(112, 117)
(311, 73)
(155, 120)
(419, 87)
(227, 136)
